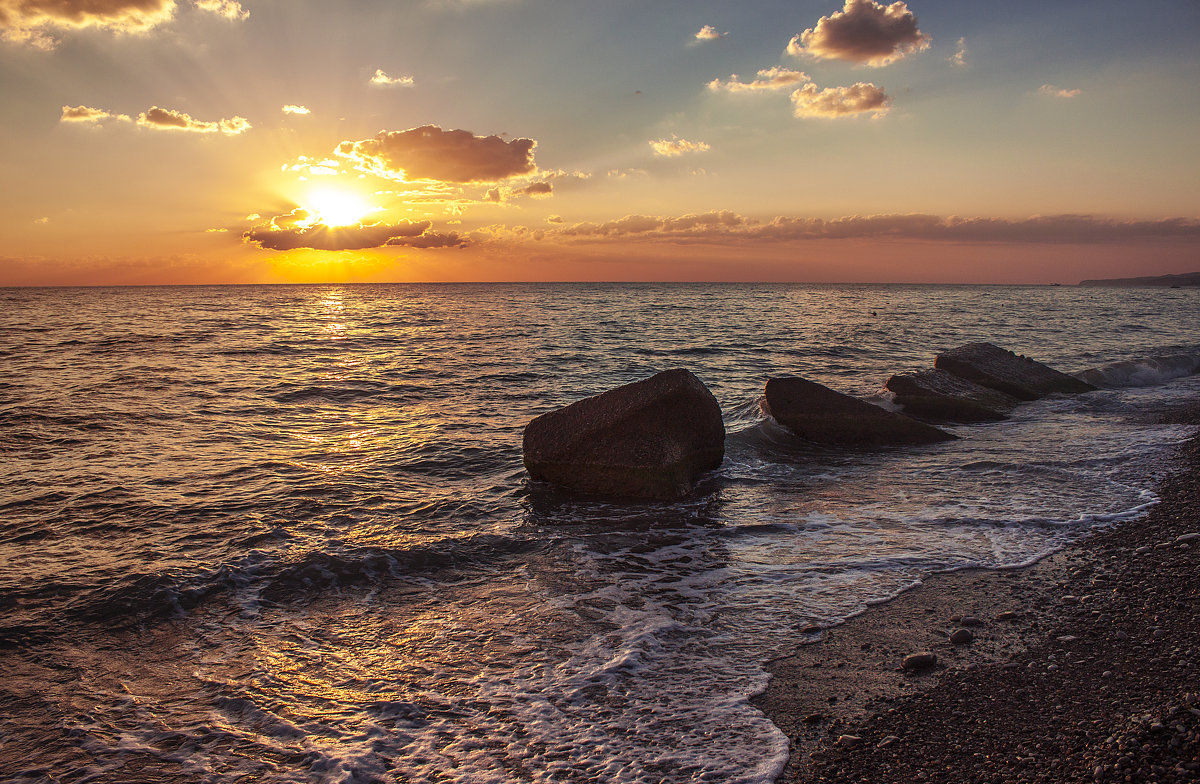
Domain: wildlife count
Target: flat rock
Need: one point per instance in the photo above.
(648, 439)
(993, 367)
(919, 661)
(820, 414)
(961, 636)
(945, 397)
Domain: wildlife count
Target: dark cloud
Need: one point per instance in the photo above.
(36, 22)
(538, 190)
(863, 32)
(430, 153)
(293, 231)
(169, 119)
(725, 226)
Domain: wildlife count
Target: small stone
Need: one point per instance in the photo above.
(813, 718)
(961, 636)
(1106, 674)
(1052, 668)
(1142, 550)
(1187, 538)
(811, 628)
(1159, 633)
(919, 661)
(1069, 599)
(971, 620)
(1120, 635)
(849, 741)
(1067, 638)
(888, 741)
(1008, 615)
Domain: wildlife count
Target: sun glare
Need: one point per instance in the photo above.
(336, 207)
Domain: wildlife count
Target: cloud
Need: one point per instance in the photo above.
(36, 22)
(709, 33)
(39, 23)
(391, 81)
(960, 56)
(554, 219)
(230, 9)
(668, 148)
(768, 79)
(864, 32)
(538, 190)
(292, 108)
(89, 115)
(1058, 92)
(728, 227)
(293, 231)
(833, 102)
(430, 153)
(169, 119)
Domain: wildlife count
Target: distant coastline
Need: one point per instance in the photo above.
(1185, 279)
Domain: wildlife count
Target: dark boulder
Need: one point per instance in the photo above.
(818, 413)
(649, 439)
(1019, 376)
(944, 397)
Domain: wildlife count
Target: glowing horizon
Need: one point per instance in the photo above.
(269, 141)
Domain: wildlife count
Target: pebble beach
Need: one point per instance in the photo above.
(1081, 667)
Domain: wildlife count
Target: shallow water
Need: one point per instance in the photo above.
(284, 533)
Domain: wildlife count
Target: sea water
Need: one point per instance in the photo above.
(284, 534)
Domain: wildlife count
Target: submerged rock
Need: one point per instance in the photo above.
(648, 439)
(818, 413)
(945, 397)
(996, 368)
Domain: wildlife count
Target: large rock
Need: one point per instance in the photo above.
(1019, 376)
(944, 397)
(818, 413)
(649, 439)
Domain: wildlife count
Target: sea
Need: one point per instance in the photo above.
(284, 533)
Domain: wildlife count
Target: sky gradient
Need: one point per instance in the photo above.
(213, 141)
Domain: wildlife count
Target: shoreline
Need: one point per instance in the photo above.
(1084, 666)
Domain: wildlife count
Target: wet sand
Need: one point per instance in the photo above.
(1082, 667)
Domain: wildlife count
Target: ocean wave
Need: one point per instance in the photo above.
(1145, 372)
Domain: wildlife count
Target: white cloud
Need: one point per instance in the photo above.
(383, 79)
(1059, 92)
(709, 33)
(292, 108)
(959, 57)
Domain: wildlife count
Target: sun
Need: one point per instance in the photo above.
(335, 207)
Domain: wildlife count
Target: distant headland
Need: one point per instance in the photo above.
(1185, 279)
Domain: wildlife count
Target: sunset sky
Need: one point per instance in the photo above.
(215, 141)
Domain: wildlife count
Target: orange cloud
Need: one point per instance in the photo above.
(863, 32)
(292, 232)
(292, 108)
(669, 148)
(429, 153)
(811, 101)
(767, 79)
(169, 119)
(89, 115)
